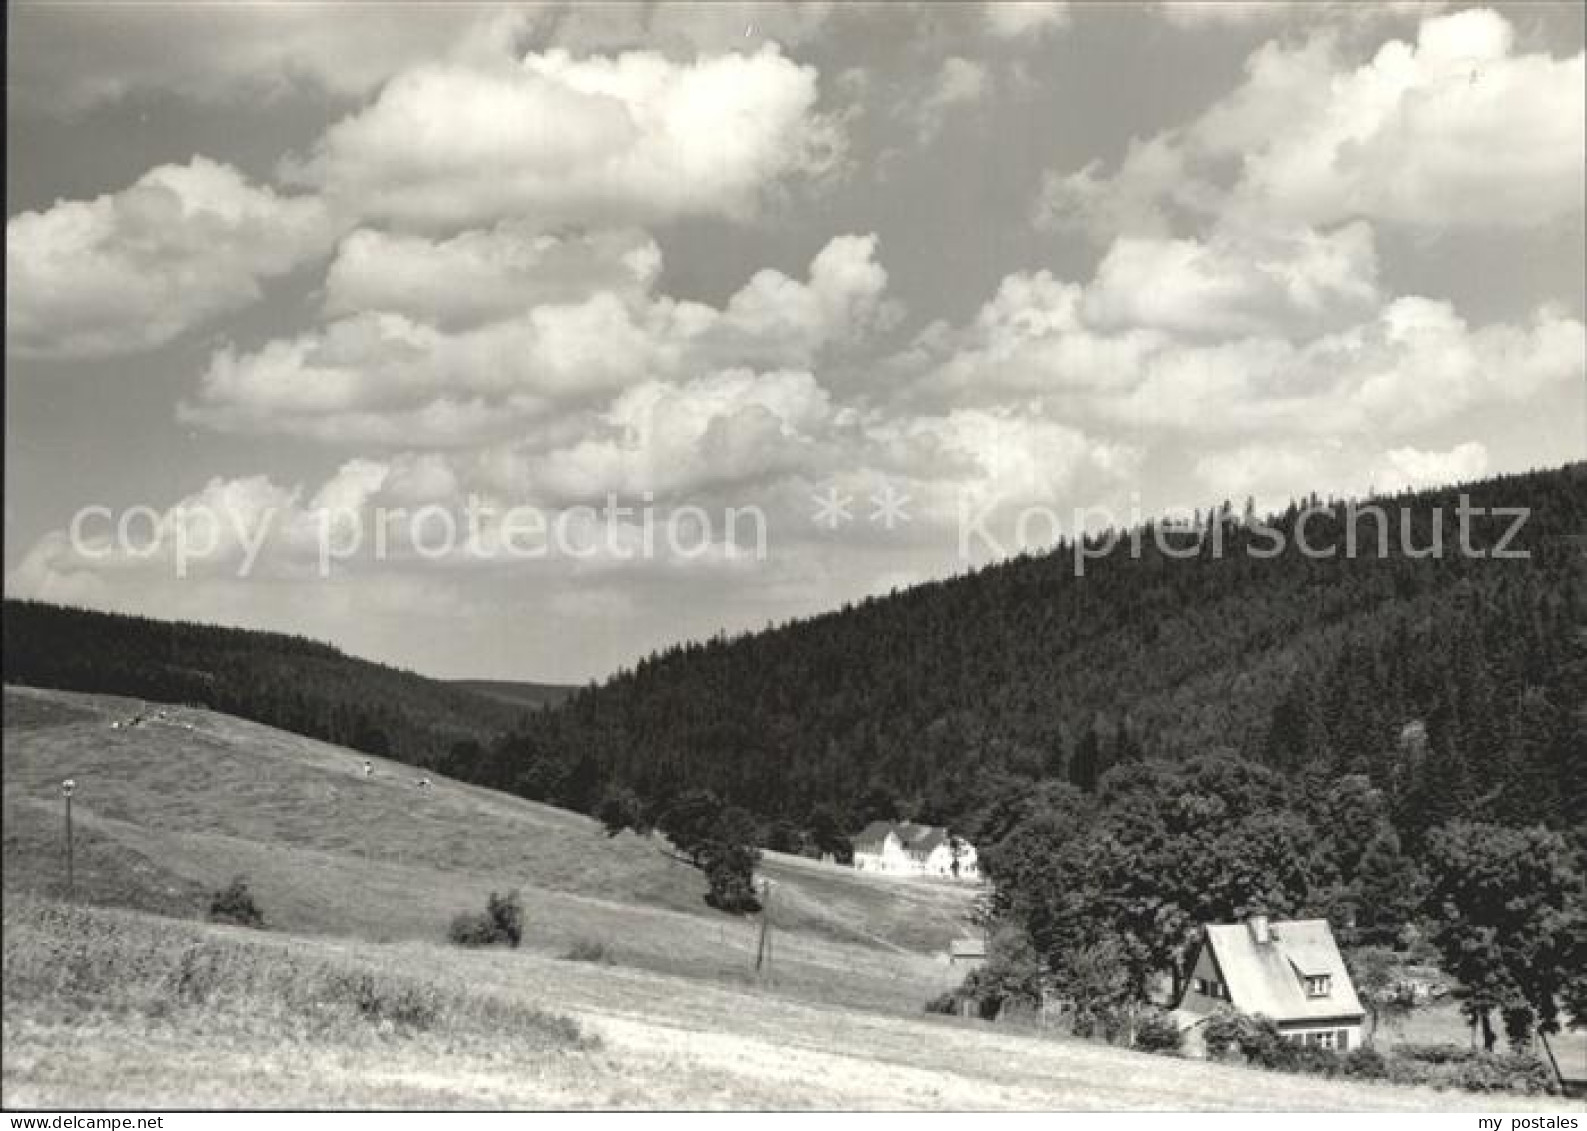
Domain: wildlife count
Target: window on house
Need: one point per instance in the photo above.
(1318, 986)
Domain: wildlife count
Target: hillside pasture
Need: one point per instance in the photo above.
(172, 809)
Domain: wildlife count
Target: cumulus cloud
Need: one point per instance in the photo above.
(959, 82)
(131, 270)
(1274, 475)
(68, 58)
(1233, 285)
(484, 275)
(391, 378)
(1413, 467)
(564, 140)
(1225, 338)
(731, 427)
(1020, 19)
(1457, 129)
(1195, 14)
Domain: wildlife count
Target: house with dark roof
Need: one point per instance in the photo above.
(1290, 971)
(902, 848)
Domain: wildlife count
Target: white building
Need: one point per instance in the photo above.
(900, 848)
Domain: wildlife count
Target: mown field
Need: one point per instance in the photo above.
(352, 999)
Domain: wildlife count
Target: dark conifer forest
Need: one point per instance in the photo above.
(1455, 684)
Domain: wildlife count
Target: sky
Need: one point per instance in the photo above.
(520, 341)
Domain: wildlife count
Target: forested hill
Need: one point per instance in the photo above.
(520, 693)
(286, 681)
(1456, 683)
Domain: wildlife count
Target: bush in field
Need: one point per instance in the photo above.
(381, 999)
(506, 914)
(500, 922)
(471, 928)
(589, 950)
(235, 904)
(1158, 1033)
(730, 872)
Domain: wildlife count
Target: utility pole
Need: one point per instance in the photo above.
(763, 948)
(67, 787)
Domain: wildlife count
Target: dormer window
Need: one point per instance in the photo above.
(1318, 985)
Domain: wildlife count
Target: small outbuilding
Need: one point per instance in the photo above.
(967, 952)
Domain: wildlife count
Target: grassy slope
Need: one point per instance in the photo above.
(168, 811)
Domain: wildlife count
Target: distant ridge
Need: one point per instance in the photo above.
(289, 682)
(518, 692)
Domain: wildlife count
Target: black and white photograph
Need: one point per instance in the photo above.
(699, 555)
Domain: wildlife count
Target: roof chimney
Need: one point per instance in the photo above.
(1257, 925)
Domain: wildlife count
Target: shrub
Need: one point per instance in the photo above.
(589, 950)
(1314, 1060)
(1366, 1063)
(1452, 1066)
(378, 1000)
(1433, 1054)
(730, 870)
(506, 914)
(500, 922)
(945, 1003)
(235, 904)
(1504, 1072)
(1157, 1032)
(1262, 1044)
(1221, 1033)
(1256, 1038)
(472, 928)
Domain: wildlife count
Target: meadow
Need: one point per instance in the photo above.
(125, 998)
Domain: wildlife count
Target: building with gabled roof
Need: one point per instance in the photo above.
(903, 848)
(1290, 971)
